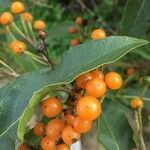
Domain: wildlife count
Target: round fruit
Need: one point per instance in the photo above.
(113, 80)
(81, 126)
(6, 18)
(79, 21)
(27, 17)
(54, 128)
(137, 103)
(96, 87)
(47, 143)
(39, 129)
(88, 108)
(73, 30)
(74, 42)
(62, 147)
(130, 71)
(69, 119)
(23, 147)
(17, 7)
(51, 107)
(98, 34)
(18, 47)
(83, 79)
(97, 74)
(69, 135)
(39, 25)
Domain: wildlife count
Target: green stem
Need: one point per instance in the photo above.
(11, 34)
(144, 90)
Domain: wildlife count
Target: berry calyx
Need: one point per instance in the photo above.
(98, 34)
(39, 25)
(69, 135)
(88, 108)
(81, 126)
(39, 129)
(6, 18)
(27, 17)
(17, 7)
(47, 143)
(96, 87)
(62, 147)
(82, 80)
(113, 80)
(54, 128)
(137, 103)
(74, 42)
(51, 107)
(18, 47)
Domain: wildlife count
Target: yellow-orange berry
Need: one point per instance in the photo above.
(47, 143)
(39, 25)
(17, 7)
(6, 18)
(74, 42)
(69, 135)
(79, 20)
(62, 147)
(98, 34)
(137, 103)
(39, 129)
(27, 17)
(113, 80)
(81, 126)
(18, 47)
(88, 108)
(97, 74)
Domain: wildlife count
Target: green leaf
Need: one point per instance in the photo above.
(14, 97)
(135, 22)
(114, 131)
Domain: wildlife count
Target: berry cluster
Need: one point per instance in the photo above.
(83, 106)
(7, 21)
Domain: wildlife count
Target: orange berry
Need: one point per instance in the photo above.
(74, 42)
(51, 107)
(97, 74)
(17, 7)
(130, 71)
(39, 25)
(69, 135)
(73, 30)
(18, 47)
(69, 119)
(27, 17)
(39, 129)
(54, 128)
(81, 126)
(113, 80)
(23, 147)
(79, 21)
(62, 147)
(6, 18)
(47, 143)
(137, 103)
(88, 108)
(96, 87)
(98, 34)
(83, 79)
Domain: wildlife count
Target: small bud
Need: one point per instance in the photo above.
(42, 34)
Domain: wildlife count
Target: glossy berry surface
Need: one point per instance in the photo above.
(54, 128)
(17, 7)
(97, 74)
(98, 34)
(39, 129)
(88, 108)
(51, 107)
(69, 135)
(47, 143)
(81, 126)
(62, 147)
(113, 80)
(96, 87)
